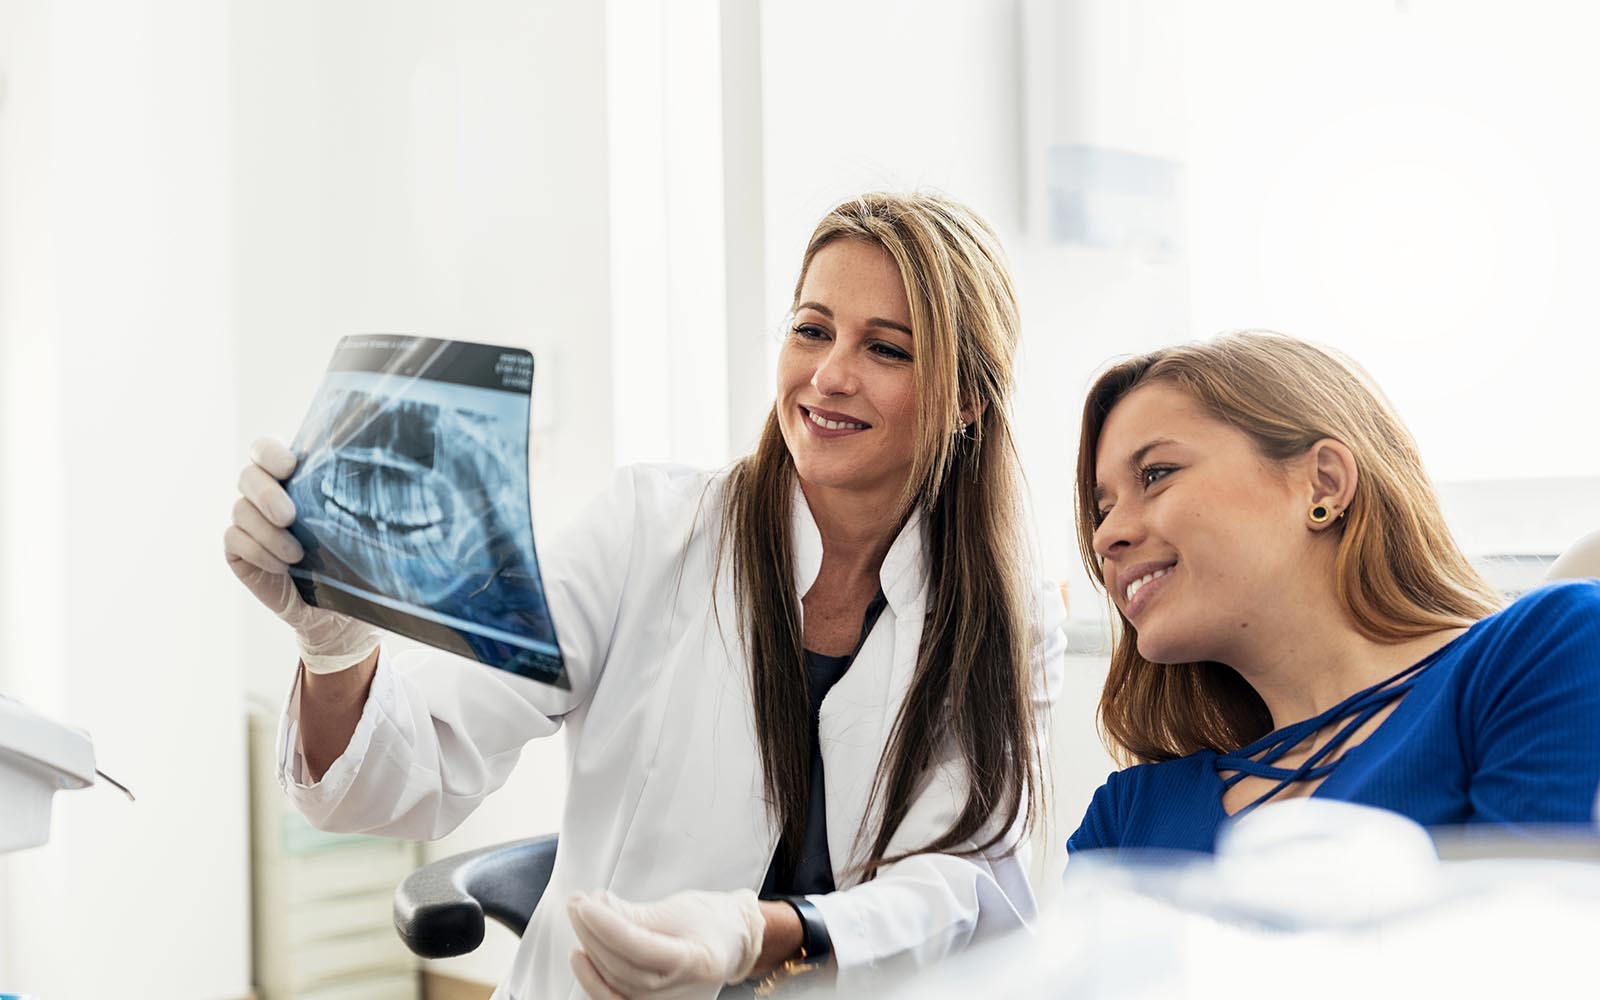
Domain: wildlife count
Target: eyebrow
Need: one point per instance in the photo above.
(871, 321)
(1134, 461)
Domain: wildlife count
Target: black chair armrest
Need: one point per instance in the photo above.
(439, 908)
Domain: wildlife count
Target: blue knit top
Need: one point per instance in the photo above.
(1501, 726)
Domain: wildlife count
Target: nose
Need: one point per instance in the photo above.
(1118, 532)
(835, 374)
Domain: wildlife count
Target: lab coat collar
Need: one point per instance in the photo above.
(904, 570)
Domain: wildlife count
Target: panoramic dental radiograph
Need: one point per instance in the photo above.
(412, 505)
(391, 499)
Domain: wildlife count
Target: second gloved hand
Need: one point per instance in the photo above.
(683, 947)
(259, 549)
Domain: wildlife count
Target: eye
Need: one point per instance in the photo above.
(1100, 516)
(1152, 474)
(889, 351)
(810, 331)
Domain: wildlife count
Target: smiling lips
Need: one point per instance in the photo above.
(829, 424)
(1141, 583)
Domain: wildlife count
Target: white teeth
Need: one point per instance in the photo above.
(1137, 585)
(834, 425)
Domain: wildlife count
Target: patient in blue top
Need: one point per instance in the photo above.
(1295, 618)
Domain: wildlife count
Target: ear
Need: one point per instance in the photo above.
(971, 411)
(1332, 470)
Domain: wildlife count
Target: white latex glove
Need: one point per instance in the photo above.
(260, 548)
(684, 947)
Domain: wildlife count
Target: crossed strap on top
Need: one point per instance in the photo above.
(1258, 758)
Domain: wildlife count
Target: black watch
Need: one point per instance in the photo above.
(816, 947)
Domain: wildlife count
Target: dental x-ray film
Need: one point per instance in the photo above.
(411, 499)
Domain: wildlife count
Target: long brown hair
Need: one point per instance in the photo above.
(1398, 572)
(973, 685)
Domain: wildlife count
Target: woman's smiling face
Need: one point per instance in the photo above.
(1200, 536)
(847, 394)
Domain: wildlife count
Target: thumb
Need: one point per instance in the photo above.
(639, 913)
(275, 590)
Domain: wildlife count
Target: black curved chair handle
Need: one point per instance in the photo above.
(439, 908)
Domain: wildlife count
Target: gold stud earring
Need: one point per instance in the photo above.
(1320, 513)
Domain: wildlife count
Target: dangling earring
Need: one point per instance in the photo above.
(1320, 513)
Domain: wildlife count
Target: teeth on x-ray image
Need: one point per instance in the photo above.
(412, 499)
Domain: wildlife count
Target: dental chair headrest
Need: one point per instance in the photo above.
(1579, 562)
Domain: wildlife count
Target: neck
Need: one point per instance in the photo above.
(856, 529)
(1305, 661)
(1308, 675)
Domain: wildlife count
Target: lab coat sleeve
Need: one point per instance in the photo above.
(439, 733)
(927, 906)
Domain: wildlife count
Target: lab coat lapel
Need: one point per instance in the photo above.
(806, 541)
(859, 713)
(904, 572)
(905, 569)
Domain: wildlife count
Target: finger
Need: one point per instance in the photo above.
(618, 967)
(269, 536)
(244, 551)
(611, 957)
(272, 455)
(589, 978)
(258, 486)
(645, 949)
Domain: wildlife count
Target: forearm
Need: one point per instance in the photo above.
(330, 707)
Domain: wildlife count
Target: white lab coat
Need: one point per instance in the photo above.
(664, 779)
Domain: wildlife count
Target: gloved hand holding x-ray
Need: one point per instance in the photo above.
(411, 499)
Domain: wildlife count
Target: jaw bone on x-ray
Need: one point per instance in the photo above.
(412, 499)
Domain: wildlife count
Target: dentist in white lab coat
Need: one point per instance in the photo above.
(802, 722)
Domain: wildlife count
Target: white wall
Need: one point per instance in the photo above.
(435, 169)
(117, 395)
(1413, 183)
(683, 103)
(906, 94)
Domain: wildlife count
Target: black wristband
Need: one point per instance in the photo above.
(815, 943)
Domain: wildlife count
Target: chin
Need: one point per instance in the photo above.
(1158, 648)
(826, 474)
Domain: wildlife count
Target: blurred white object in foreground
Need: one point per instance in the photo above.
(1307, 897)
(1318, 862)
(38, 757)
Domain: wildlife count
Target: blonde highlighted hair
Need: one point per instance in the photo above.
(972, 690)
(1398, 573)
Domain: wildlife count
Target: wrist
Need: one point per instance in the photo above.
(325, 663)
(339, 689)
(790, 958)
(782, 937)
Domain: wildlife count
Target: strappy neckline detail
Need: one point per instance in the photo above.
(1258, 759)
